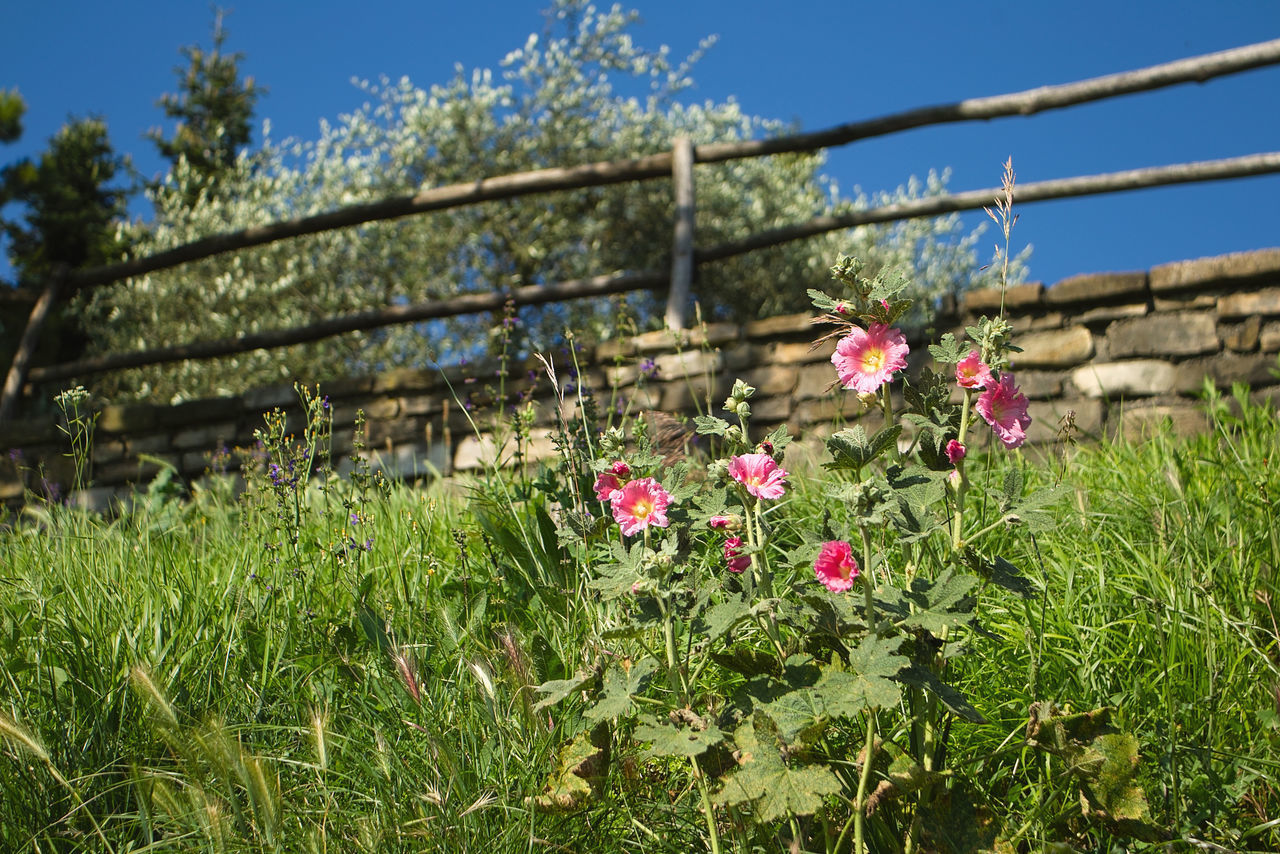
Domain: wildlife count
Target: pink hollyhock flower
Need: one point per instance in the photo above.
(1004, 407)
(730, 522)
(955, 451)
(835, 566)
(760, 474)
(639, 504)
(621, 469)
(867, 359)
(606, 485)
(733, 556)
(971, 372)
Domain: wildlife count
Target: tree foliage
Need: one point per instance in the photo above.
(582, 91)
(72, 203)
(214, 108)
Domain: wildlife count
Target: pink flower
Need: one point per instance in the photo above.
(1004, 407)
(730, 522)
(733, 556)
(639, 504)
(835, 566)
(606, 485)
(955, 451)
(866, 360)
(621, 469)
(762, 477)
(971, 372)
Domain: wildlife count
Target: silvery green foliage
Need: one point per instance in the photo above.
(585, 94)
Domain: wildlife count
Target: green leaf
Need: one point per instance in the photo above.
(851, 449)
(920, 676)
(709, 425)
(1032, 511)
(867, 681)
(775, 789)
(723, 616)
(1000, 573)
(749, 662)
(947, 350)
(581, 767)
(622, 680)
(799, 715)
(935, 606)
(557, 689)
(672, 740)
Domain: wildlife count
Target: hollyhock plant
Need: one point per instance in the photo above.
(760, 474)
(867, 359)
(835, 566)
(972, 372)
(606, 485)
(640, 504)
(1004, 407)
(733, 556)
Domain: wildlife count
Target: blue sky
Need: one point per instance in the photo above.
(812, 62)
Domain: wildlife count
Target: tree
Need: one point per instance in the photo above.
(72, 208)
(585, 92)
(12, 109)
(214, 109)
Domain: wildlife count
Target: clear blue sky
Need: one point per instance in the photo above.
(812, 62)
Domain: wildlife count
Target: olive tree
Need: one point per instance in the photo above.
(580, 92)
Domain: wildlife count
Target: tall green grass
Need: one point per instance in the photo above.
(169, 681)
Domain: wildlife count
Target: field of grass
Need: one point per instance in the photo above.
(350, 666)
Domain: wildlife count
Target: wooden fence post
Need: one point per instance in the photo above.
(26, 346)
(682, 242)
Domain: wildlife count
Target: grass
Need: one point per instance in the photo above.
(182, 678)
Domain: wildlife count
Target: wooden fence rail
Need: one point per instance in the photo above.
(1028, 102)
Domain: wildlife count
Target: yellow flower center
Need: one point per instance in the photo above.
(873, 360)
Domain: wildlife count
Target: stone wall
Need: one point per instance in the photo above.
(1113, 351)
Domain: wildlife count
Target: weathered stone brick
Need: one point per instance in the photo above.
(800, 353)
(1187, 302)
(1163, 335)
(1096, 288)
(691, 363)
(1048, 419)
(816, 381)
(200, 411)
(1236, 267)
(1137, 423)
(1039, 385)
(381, 408)
(772, 379)
(282, 396)
(1241, 337)
(405, 379)
(988, 299)
(1223, 369)
(1103, 313)
(1138, 377)
(787, 324)
(1269, 337)
(769, 409)
(1264, 302)
(1035, 322)
(126, 418)
(1059, 348)
(208, 436)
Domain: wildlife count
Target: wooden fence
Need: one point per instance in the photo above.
(678, 164)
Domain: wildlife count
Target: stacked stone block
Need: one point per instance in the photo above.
(1114, 352)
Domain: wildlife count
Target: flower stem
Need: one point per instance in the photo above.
(864, 779)
(706, 805)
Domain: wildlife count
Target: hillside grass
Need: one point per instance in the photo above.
(351, 668)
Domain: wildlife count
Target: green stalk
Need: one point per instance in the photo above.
(707, 812)
(860, 805)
